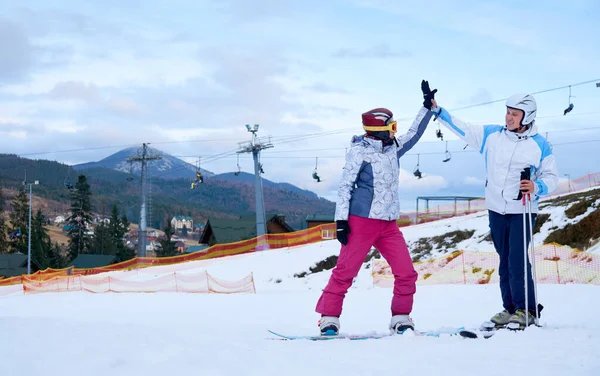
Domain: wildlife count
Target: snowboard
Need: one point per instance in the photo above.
(359, 337)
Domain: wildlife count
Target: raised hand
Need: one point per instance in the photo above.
(428, 95)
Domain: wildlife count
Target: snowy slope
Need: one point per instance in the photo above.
(212, 334)
(219, 334)
(479, 223)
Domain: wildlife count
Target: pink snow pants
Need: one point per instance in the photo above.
(386, 237)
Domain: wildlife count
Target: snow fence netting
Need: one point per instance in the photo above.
(555, 264)
(128, 282)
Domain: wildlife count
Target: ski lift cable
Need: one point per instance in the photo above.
(337, 156)
(304, 136)
(418, 154)
(424, 153)
(299, 138)
(537, 92)
(227, 155)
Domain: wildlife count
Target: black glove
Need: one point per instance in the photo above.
(428, 95)
(343, 229)
(525, 175)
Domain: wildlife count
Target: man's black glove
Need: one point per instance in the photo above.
(343, 229)
(428, 95)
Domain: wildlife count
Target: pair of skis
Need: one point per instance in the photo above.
(486, 330)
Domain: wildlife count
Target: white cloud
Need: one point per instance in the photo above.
(75, 90)
(470, 180)
(122, 105)
(19, 135)
(133, 78)
(506, 25)
(408, 181)
(17, 52)
(379, 51)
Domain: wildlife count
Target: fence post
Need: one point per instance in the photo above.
(253, 285)
(557, 268)
(462, 255)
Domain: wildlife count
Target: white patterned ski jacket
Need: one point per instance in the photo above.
(506, 154)
(369, 184)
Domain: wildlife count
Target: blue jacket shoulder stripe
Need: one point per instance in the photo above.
(544, 146)
(445, 115)
(487, 131)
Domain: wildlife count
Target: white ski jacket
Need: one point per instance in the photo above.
(369, 184)
(506, 154)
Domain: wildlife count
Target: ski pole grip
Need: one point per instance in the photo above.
(526, 174)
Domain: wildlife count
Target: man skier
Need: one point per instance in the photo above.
(508, 150)
(366, 212)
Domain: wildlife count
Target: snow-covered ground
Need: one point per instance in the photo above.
(226, 334)
(219, 334)
(211, 334)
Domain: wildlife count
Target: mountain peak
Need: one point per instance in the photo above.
(167, 167)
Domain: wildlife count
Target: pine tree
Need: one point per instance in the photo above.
(19, 221)
(3, 228)
(124, 253)
(117, 231)
(102, 241)
(55, 257)
(167, 247)
(125, 223)
(80, 219)
(40, 241)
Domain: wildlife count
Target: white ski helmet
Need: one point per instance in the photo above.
(525, 103)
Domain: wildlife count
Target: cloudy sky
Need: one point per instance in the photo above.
(80, 80)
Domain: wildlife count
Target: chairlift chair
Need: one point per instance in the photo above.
(439, 134)
(199, 179)
(15, 234)
(416, 171)
(315, 174)
(448, 155)
(67, 182)
(238, 166)
(571, 106)
(130, 178)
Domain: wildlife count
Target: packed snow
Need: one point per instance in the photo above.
(212, 334)
(227, 334)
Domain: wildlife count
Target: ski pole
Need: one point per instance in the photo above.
(533, 269)
(525, 175)
(525, 261)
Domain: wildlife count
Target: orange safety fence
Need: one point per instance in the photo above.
(555, 264)
(460, 208)
(11, 281)
(268, 241)
(284, 240)
(199, 282)
(40, 275)
(577, 184)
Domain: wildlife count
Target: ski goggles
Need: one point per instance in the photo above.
(391, 126)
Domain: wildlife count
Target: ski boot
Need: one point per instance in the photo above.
(518, 320)
(499, 320)
(401, 323)
(329, 325)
